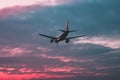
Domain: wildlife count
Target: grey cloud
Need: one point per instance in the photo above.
(79, 50)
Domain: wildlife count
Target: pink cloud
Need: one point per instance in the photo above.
(16, 10)
(58, 69)
(44, 49)
(66, 69)
(19, 72)
(14, 7)
(4, 76)
(75, 71)
(17, 51)
(27, 73)
(66, 59)
(12, 3)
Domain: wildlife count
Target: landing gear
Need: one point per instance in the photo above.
(67, 40)
(51, 40)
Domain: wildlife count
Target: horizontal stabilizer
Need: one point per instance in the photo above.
(73, 30)
(68, 31)
(62, 30)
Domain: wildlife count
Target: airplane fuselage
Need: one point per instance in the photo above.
(62, 36)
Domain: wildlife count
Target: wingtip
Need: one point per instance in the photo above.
(39, 34)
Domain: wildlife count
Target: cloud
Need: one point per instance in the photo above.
(101, 40)
(107, 67)
(43, 70)
(57, 66)
(12, 3)
(9, 51)
(15, 7)
(66, 59)
(30, 76)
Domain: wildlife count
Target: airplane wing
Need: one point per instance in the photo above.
(47, 36)
(75, 37)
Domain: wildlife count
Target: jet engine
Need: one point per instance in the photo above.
(67, 40)
(51, 40)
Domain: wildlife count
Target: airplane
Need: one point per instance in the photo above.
(62, 36)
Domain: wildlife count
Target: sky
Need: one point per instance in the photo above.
(24, 55)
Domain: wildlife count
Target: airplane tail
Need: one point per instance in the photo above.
(67, 28)
(73, 30)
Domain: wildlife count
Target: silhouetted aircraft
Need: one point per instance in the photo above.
(62, 36)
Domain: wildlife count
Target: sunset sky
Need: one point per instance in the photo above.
(24, 55)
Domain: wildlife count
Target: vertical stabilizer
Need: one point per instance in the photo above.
(67, 25)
